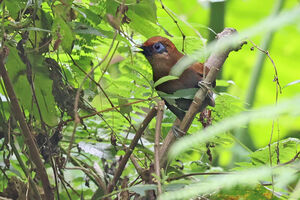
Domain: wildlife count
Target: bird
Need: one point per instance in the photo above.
(162, 55)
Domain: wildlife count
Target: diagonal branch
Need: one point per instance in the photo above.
(214, 63)
(29, 139)
(129, 150)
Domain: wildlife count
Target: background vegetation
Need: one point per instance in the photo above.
(80, 53)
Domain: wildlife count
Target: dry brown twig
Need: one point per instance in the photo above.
(278, 90)
(29, 138)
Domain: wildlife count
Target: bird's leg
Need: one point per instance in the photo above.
(203, 83)
(208, 86)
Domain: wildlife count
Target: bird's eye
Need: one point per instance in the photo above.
(159, 47)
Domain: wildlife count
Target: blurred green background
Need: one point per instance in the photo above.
(239, 68)
(284, 50)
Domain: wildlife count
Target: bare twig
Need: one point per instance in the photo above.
(159, 117)
(293, 159)
(104, 93)
(197, 174)
(278, 90)
(68, 184)
(175, 21)
(78, 164)
(141, 171)
(129, 150)
(76, 116)
(29, 139)
(112, 108)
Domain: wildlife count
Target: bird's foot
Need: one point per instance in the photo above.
(177, 132)
(205, 84)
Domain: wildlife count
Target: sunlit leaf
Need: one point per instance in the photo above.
(145, 9)
(101, 150)
(287, 151)
(141, 189)
(124, 109)
(165, 79)
(17, 75)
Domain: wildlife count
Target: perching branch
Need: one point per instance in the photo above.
(214, 63)
(29, 139)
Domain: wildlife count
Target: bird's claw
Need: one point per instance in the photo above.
(205, 84)
(177, 132)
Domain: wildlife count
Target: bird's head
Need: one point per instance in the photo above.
(161, 54)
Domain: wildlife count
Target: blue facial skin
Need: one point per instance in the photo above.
(159, 47)
(156, 48)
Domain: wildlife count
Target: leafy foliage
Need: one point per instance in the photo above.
(68, 54)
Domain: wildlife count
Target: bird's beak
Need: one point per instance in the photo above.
(145, 50)
(140, 49)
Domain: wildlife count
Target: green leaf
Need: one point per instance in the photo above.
(141, 189)
(124, 109)
(89, 14)
(181, 65)
(86, 29)
(145, 9)
(66, 33)
(142, 25)
(188, 93)
(36, 29)
(165, 79)
(17, 74)
(287, 151)
(15, 8)
(42, 85)
(101, 150)
(43, 90)
(241, 192)
(212, 184)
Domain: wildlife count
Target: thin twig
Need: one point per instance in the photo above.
(68, 184)
(159, 117)
(78, 164)
(108, 62)
(175, 21)
(76, 116)
(278, 90)
(129, 150)
(197, 174)
(292, 160)
(110, 109)
(54, 168)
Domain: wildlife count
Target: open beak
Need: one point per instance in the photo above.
(145, 50)
(140, 49)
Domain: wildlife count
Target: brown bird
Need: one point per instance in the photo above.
(163, 55)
